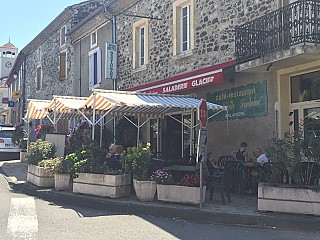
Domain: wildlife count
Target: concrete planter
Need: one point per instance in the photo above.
(145, 190)
(23, 156)
(40, 177)
(113, 186)
(61, 181)
(288, 199)
(180, 194)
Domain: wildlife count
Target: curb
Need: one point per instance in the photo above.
(196, 215)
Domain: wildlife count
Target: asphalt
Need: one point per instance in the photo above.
(241, 211)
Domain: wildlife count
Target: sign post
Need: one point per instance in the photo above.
(202, 142)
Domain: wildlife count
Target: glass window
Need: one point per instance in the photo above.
(6, 133)
(185, 27)
(312, 122)
(142, 46)
(305, 87)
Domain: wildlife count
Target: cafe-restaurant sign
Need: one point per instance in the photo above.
(246, 101)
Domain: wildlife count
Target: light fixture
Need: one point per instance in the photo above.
(15, 75)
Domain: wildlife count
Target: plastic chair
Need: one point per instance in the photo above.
(225, 158)
(221, 183)
(237, 176)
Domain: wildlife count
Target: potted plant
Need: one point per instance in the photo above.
(19, 138)
(38, 151)
(186, 191)
(292, 183)
(137, 160)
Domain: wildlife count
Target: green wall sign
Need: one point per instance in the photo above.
(246, 101)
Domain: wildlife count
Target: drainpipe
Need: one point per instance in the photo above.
(24, 87)
(114, 41)
(80, 70)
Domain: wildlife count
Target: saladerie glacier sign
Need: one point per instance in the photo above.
(243, 102)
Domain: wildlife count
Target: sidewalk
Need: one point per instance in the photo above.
(242, 211)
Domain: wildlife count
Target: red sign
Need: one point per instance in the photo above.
(203, 113)
(200, 78)
(5, 100)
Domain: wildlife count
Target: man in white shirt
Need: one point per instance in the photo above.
(261, 157)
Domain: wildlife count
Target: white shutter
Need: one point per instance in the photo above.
(91, 70)
(99, 67)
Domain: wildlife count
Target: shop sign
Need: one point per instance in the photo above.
(5, 100)
(111, 61)
(16, 94)
(243, 102)
(187, 83)
(11, 104)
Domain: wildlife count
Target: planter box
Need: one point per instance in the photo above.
(180, 194)
(40, 177)
(61, 181)
(113, 186)
(145, 190)
(288, 199)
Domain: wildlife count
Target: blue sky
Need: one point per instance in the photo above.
(22, 20)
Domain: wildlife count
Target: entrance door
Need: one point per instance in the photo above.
(172, 144)
(309, 114)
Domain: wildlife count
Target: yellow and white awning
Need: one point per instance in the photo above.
(37, 109)
(153, 105)
(66, 107)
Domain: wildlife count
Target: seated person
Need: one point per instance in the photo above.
(213, 166)
(241, 154)
(113, 157)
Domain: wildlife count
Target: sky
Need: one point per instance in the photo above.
(22, 20)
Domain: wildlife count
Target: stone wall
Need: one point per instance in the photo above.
(50, 50)
(215, 22)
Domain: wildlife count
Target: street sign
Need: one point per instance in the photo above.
(16, 94)
(111, 61)
(202, 145)
(5, 100)
(11, 104)
(203, 113)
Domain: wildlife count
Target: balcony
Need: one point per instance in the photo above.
(291, 32)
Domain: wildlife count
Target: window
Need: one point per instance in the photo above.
(62, 35)
(140, 43)
(95, 68)
(183, 32)
(63, 66)
(38, 78)
(94, 41)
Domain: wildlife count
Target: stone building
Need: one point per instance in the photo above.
(46, 64)
(252, 56)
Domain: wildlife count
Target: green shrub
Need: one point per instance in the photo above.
(40, 150)
(51, 164)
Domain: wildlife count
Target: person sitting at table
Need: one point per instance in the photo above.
(113, 157)
(213, 166)
(241, 154)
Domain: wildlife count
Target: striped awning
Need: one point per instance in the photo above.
(37, 109)
(153, 105)
(66, 107)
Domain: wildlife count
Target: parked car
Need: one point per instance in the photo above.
(6, 145)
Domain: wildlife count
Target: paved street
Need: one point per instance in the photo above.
(23, 217)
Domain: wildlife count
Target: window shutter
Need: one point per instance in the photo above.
(63, 68)
(91, 70)
(99, 67)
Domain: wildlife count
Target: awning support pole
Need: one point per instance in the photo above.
(94, 114)
(55, 115)
(138, 133)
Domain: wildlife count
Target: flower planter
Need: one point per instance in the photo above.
(180, 194)
(113, 186)
(40, 177)
(288, 199)
(23, 155)
(61, 181)
(145, 190)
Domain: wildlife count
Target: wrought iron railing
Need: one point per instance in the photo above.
(293, 24)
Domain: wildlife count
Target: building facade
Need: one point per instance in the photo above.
(194, 47)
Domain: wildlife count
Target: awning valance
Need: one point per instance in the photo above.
(119, 103)
(37, 109)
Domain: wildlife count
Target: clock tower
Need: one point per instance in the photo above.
(8, 54)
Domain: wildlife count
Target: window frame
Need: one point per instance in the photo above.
(63, 38)
(140, 44)
(95, 77)
(93, 44)
(178, 30)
